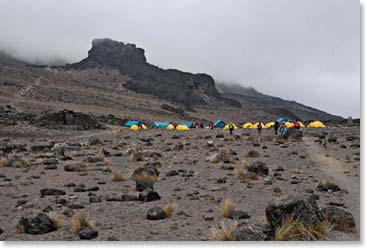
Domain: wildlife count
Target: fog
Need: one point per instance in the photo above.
(308, 50)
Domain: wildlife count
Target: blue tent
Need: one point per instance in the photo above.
(132, 123)
(188, 124)
(160, 124)
(282, 120)
(219, 124)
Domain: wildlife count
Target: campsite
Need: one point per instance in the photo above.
(120, 176)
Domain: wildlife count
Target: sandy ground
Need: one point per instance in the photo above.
(198, 190)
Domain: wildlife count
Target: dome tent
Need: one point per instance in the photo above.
(316, 124)
(132, 123)
(226, 127)
(187, 123)
(247, 125)
(182, 128)
(219, 124)
(170, 127)
(269, 124)
(134, 128)
(160, 124)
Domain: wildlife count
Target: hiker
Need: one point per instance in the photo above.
(230, 128)
(282, 127)
(211, 125)
(259, 128)
(297, 124)
(276, 127)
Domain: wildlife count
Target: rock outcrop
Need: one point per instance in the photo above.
(145, 78)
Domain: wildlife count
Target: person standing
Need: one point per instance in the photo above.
(259, 128)
(230, 128)
(276, 127)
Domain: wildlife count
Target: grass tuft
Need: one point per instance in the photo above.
(79, 222)
(226, 207)
(294, 230)
(56, 219)
(224, 232)
(117, 177)
(168, 209)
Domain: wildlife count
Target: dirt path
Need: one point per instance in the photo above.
(335, 170)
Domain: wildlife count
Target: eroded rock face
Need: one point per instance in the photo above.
(149, 79)
(69, 118)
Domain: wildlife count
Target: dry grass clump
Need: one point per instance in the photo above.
(117, 177)
(144, 177)
(224, 232)
(56, 219)
(18, 229)
(246, 164)
(238, 173)
(13, 160)
(168, 209)
(226, 207)
(294, 229)
(79, 222)
(2, 162)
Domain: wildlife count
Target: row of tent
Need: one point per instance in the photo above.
(184, 126)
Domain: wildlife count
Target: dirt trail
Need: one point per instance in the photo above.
(335, 169)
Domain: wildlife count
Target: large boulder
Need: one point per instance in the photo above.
(37, 224)
(259, 168)
(341, 219)
(305, 210)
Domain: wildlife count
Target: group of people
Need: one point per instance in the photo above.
(282, 127)
(278, 126)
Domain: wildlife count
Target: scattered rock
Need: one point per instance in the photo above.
(155, 213)
(37, 224)
(253, 154)
(148, 196)
(327, 185)
(341, 219)
(88, 233)
(51, 191)
(259, 168)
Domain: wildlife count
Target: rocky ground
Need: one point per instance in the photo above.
(72, 175)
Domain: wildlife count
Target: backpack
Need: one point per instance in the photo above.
(231, 126)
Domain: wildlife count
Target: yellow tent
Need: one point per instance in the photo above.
(170, 127)
(143, 126)
(182, 128)
(247, 125)
(134, 128)
(316, 124)
(289, 124)
(254, 126)
(226, 127)
(269, 124)
(301, 124)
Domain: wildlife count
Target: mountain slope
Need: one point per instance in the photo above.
(256, 101)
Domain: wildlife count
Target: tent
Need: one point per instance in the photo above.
(289, 124)
(226, 127)
(247, 125)
(254, 126)
(134, 128)
(187, 124)
(282, 120)
(132, 123)
(219, 124)
(301, 124)
(170, 127)
(270, 124)
(160, 124)
(143, 126)
(316, 124)
(182, 128)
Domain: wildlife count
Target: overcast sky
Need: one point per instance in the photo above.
(303, 50)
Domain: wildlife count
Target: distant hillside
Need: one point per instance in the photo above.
(253, 100)
(7, 58)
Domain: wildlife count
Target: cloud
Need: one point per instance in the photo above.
(299, 50)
